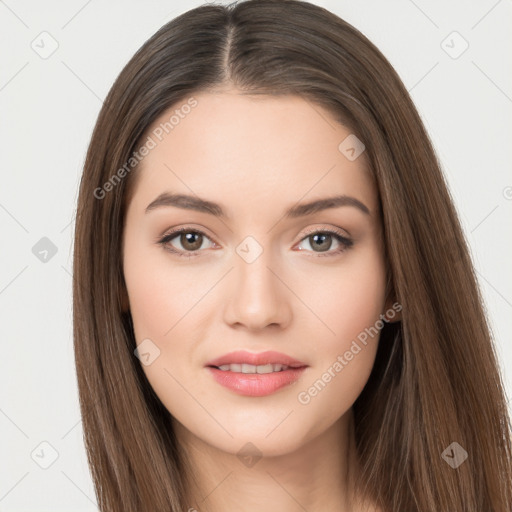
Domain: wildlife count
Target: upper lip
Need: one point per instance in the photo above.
(256, 359)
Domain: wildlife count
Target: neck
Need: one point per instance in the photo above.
(318, 476)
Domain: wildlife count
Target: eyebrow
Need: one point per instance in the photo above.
(189, 202)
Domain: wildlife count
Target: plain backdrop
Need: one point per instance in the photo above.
(454, 58)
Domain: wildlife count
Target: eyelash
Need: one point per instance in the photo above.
(345, 242)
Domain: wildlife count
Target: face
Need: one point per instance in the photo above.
(256, 279)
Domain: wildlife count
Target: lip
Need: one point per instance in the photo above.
(256, 384)
(261, 358)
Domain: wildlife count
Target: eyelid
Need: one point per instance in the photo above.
(172, 233)
(183, 227)
(344, 240)
(309, 231)
(324, 228)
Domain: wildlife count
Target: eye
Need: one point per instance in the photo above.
(191, 241)
(323, 241)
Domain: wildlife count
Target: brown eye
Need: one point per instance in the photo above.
(191, 241)
(321, 242)
(184, 242)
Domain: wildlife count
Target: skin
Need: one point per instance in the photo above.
(257, 156)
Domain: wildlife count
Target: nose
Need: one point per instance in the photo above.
(259, 296)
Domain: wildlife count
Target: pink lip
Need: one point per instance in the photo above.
(256, 384)
(242, 356)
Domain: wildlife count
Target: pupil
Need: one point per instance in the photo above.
(322, 246)
(188, 238)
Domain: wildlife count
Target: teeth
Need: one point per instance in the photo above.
(250, 368)
(265, 368)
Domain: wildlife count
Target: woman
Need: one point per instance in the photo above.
(274, 304)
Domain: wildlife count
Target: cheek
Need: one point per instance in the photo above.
(159, 293)
(159, 301)
(164, 301)
(151, 304)
(346, 299)
(350, 305)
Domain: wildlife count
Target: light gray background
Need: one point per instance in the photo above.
(48, 109)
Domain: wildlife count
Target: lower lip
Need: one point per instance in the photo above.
(256, 384)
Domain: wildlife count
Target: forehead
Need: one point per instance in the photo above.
(245, 151)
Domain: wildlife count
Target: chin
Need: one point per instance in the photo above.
(255, 444)
(249, 438)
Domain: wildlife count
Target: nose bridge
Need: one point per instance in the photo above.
(259, 297)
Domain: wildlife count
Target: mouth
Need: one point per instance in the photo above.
(254, 375)
(251, 368)
(246, 359)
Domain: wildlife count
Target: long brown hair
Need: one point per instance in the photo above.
(435, 380)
